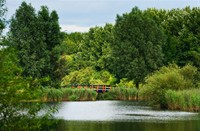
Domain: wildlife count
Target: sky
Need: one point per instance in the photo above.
(80, 15)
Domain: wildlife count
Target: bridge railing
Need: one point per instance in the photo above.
(97, 88)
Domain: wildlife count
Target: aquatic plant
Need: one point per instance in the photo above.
(53, 94)
(68, 94)
(188, 100)
(119, 93)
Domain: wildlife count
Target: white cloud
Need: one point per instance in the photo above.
(80, 15)
(74, 28)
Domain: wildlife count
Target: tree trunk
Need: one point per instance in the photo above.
(137, 86)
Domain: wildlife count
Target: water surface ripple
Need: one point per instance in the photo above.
(121, 111)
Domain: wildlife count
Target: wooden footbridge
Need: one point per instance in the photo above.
(96, 87)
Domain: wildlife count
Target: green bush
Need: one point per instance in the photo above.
(168, 78)
(88, 76)
(124, 82)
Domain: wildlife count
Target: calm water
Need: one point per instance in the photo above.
(123, 116)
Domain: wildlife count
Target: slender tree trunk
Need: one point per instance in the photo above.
(137, 86)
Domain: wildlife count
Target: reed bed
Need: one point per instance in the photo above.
(119, 93)
(187, 100)
(69, 94)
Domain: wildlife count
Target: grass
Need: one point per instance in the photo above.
(188, 100)
(119, 93)
(69, 94)
(52, 94)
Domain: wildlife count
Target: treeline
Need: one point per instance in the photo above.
(138, 51)
(138, 44)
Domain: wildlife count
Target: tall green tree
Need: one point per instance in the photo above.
(182, 29)
(2, 12)
(34, 36)
(137, 50)
(27, 39)
(95, 47)
(189, 37)
(67, 54)
(14, 90)
(50, 30)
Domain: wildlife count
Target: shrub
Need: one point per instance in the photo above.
(125, 83)
(168, 78)
(88, 76)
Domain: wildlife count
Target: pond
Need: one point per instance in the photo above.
(123, 116)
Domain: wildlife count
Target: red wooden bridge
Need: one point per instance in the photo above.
(96, 87)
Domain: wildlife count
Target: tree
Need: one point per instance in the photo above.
(182, 30)
(34, 36)
(189, 37)
(2, 12)
(66, 54)
(15, 91)
(95, 48)
(27, 39)
(88, 76)
(50, 30)
(137, 50)
(16, 94)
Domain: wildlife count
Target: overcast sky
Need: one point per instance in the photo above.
(80, 15)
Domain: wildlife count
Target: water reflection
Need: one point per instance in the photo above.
(121, 116)
(128, 126)
(118, 111)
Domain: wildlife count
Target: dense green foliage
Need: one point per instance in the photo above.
(17, 111)
(88, 76)
(34, 36)
(139, 43)
(168, 78)
(95, 48)
(182, 28)
(137, 50)
(2, 12)
(124, 82)
(15, 92)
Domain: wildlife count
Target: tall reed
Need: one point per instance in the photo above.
(53, 94)
(120, 93)
(69, 94)
(188, 100)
